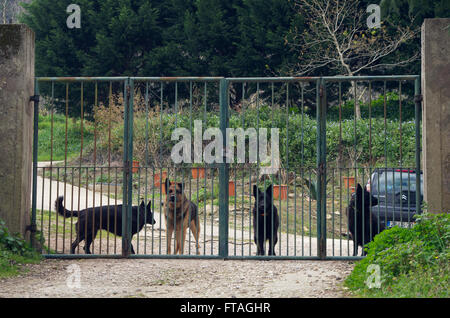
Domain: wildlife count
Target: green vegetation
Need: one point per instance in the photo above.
(413, 262)
(14, 252)
(59, 137)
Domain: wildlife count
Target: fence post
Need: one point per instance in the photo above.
(223, 172)
(321, 168)
(16, 128)
(436, 114)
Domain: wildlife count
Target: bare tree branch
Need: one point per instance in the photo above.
(337, 37)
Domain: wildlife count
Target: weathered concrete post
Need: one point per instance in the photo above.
(16, 125)
(436, 113)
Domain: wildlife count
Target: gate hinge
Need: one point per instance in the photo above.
(32, 228)
(34, 98)
(321, 91)
(418, 98)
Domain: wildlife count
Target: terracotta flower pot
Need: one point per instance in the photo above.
(280, 190)
(349, 182)
(231, 189)
(158, 178)
(198, 173)
(135, 167)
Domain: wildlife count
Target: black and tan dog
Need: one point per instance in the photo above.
(180, 213)
(265, 220)
(108, 218)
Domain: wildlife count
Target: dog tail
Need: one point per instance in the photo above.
(59, 207)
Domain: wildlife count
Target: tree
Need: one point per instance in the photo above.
(261, 49)
(338, 40)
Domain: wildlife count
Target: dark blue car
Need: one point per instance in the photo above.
(396, 192)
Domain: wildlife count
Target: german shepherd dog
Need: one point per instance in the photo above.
(265, 220)
(91, 220)
(359, 219)
(180, 213)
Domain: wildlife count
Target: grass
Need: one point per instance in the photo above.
(412, 262)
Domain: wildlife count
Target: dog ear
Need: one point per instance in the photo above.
(166, 185)
(142, 204)
(255, 190)
(359, 191)
(149, 205)
(269, 190)
(181, 185)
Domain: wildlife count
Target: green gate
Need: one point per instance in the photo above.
(108, 143)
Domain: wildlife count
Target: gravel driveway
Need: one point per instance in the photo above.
(163, 278)
(175, 278)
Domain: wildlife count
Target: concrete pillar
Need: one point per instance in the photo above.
(16, 125)
(436, 113)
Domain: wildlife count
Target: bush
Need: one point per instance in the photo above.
(413, 262)
(14, 251)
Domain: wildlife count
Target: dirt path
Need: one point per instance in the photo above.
(162, 278)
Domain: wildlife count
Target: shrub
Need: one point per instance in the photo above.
(13, 251)
(413, 262)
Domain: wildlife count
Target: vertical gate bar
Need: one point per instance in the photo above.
(51, 168)
(302, 165)
(71, 206)
(287, 168)
(94, 180)
(42, 209)
(243, 171)
(418, 104)
(370, 156)
(35, 162)
(109, 167)
(321, 165)
(223, 172)
(130, 91)
(340, 168)
(385, 148)
(146, 168)
(65, 160)
(189, 173)
(161, 109)
(81, 157)
(401, 146)
(126, 171)
(205, 94)
(355, 239)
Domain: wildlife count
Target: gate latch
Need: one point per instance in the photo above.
(34, 98)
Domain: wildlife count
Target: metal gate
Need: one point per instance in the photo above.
(108, 144)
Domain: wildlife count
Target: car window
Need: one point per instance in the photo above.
(390, 180)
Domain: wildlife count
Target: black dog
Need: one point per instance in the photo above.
(88, 224)
(359, 219)
(265, 220)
